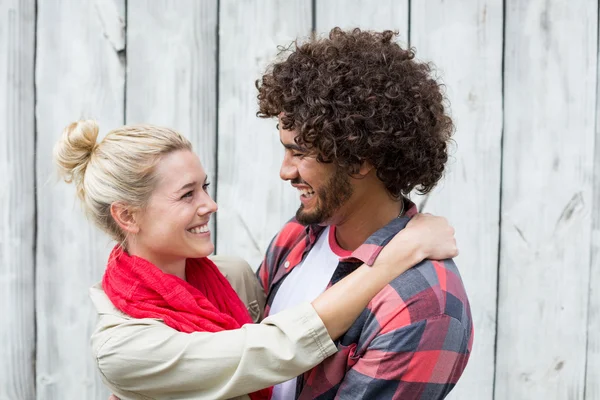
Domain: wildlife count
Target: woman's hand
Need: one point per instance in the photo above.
(433, 236)
(425, 236)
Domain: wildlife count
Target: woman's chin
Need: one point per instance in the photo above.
(203, 251)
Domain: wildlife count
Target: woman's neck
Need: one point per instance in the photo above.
(171, 266)
(177, 269)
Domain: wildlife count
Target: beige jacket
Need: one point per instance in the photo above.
(145, 359)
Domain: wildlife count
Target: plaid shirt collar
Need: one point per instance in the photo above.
(365, 253)
(370, 249)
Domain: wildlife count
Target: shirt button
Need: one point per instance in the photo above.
(287, 264)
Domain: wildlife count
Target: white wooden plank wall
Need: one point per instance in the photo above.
(364, 14)
(171, 70)
(17, 200)
(521, 179)
(550, 83)
(253, 202)
(79, 73)
(592, 382)
(464, 42)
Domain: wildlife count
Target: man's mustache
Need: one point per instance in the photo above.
(298, 181)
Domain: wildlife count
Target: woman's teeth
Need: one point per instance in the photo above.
(199, 229)
(306, 192)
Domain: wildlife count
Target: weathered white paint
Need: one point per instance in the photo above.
(592, 382)
(79, 74)
(464, 42)
(17, 200)
(253, 202)
(171, 70)
(550, 83)
(364, 14)
(547, 277)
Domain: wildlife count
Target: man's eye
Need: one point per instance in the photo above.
(188, 194)
(297, 154)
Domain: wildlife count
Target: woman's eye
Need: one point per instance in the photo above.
(205, 186)
(188, 194)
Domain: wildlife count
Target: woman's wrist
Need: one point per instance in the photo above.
(402, 255)
(415, 251)
(414, 245)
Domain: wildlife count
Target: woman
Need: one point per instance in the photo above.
(171, 325)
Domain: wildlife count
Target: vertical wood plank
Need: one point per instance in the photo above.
(364, 14)
(550, 83)
(17, 200)
(464, 42)
(80, 73)
(253, 202)
(171, 70)
(592, 381)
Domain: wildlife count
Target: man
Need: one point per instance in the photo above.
(363, 124)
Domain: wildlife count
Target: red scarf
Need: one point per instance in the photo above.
(206, 302)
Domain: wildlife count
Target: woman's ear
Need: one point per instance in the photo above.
(124, 217)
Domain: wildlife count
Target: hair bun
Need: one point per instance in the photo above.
(74, 150)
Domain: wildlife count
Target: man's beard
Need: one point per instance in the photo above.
(330, 197)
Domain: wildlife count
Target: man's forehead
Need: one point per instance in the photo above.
(287, 136)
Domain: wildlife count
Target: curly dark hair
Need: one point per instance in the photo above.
(358, 96)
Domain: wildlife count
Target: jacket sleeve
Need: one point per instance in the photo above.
(244, 282)
(147, 359)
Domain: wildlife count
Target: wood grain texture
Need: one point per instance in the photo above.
(17, 200)
(592, 381)
(464, 42)
(171, 70)
(550, 95)
(364, 14)
(178, 61)
(80, 73)
(253, 202)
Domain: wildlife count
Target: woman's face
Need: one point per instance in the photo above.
(174, 224)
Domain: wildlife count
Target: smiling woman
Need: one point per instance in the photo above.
(175, 220)
(185, 321)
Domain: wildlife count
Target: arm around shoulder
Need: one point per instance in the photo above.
(149, 359)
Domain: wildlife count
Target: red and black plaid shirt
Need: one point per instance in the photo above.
(412, 341)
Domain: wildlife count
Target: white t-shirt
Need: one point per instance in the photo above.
(305, 283)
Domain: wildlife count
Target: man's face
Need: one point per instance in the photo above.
(323, 188)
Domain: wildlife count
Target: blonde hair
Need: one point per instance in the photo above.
(121, 168)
